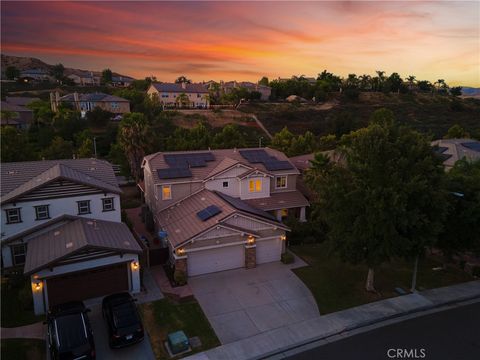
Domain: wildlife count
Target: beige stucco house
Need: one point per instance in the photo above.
(183, 95)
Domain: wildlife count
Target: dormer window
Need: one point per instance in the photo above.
(83, 207)
(13, 216)
(280, 182)
(108, 204)
(42, 212)
(255, 186)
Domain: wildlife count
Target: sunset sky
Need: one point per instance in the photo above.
(245, 41)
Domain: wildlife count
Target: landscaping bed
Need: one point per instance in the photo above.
(337, 285)
(23, 349)
(165, 316)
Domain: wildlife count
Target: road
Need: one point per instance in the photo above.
(448, 335)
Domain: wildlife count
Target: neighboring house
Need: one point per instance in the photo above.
(20, 101)
(35, 75)
(23, 116)
(180, 95)
(265, 91)
(452, 150)
(61, 223)
(122, 81)
(86, 78)
(89, 101)
(222, 209)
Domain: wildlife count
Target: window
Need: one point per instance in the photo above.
(199, 95)
(225, 184)
(13, 216)
(280, 182)
(18, 254)
(114, 105)
(164, 95)
(255, 185)
(41, 212)
(83, 207)
(107, 204)
(166, 192)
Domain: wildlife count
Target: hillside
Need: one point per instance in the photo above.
(25, 63)
(427, 113)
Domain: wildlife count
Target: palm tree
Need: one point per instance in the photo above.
(182, 100)
(365, 82)
(379, 79)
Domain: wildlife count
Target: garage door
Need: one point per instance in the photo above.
(269, 250)
(212, 260)
(87, 284)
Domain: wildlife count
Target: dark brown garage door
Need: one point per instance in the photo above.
(87, 284)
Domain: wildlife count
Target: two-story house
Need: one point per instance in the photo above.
(181, 95)
(61, 224)
(85, 78)
(222, 209)
(88, 102)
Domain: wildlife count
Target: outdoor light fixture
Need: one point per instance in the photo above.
(38, 285)
(180, 251)
(283, 237)
(250, 240)
(135, 265)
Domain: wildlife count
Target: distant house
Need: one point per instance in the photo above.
(87, 78)
(170, 95)
(22, 118)
(35, 75)
(452, 150)
(20, 101)
(89, 101)
(61, 226)
(265, 91)
(122, 81)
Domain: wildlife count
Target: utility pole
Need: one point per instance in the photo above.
(95, 146)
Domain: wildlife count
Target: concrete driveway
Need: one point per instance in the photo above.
(241, 303)
(142, 350)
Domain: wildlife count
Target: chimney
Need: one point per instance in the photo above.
(184, 85)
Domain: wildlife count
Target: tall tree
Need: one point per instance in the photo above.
(456, 132)
(107, 76)
(385, 199)
(12, 73)
(183, 79)
(133, 138)
(263, 81)
(58, 72)
(59, 149)
(15, 145)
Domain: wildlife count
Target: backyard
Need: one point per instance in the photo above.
(165, 316)
(337, 285)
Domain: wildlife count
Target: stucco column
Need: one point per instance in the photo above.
(303, 216)
(181, 264)
(250, 256)
(135, 276)
(38, 287)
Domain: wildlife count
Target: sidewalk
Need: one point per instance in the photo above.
(33, 331)
(281, 339)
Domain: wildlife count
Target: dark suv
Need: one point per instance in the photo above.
(69, 334)
(123, 322)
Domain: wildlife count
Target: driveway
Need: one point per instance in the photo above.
(241, 303)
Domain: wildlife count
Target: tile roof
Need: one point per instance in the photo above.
(181, 222)
(225, 164)
(157, 161)
(20, 101)
(102, 97)
(58, 243)
(173, 87)
(280, 200)
(457, 150)
(20, 177)
(13, 107)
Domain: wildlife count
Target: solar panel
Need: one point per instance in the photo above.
(243, 206)
(188, 160)
(174, 173)
(440, 149)
(475, 146)
(208, 212)
(278, 165)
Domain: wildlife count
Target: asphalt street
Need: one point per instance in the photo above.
(453, 334)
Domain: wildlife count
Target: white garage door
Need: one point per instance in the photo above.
(219, 259)
(269, 250)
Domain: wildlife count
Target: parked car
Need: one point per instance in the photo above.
(123, 321)
(69, 334)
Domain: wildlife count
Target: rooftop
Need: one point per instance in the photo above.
(174, 87)
(93, 97)
(453, 150)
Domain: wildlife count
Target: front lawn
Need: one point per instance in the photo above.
(337, 285)
(23, 349)
(165, 316)
(17, 303)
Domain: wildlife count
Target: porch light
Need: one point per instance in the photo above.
(180, 251)
(283, 237)
(37, 285)
(135, 265)
(250, 240)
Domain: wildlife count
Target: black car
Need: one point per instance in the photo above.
(123, 322)
(69, 334)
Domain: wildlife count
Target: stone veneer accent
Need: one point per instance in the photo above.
(250, 257)
(181, 264)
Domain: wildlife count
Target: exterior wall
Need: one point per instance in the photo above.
(245, 194)
(250, 256)
(233, 188)
(122, 107)
(40, 297)
(58, 207)
(291, 183)
(179, 192)
(216, 242)
(169, 98)
(7, 257)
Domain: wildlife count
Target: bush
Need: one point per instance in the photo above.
(287, 258)
(25, 297)
(180, 277)
(476, 271)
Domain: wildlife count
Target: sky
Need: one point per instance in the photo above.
(248, 40)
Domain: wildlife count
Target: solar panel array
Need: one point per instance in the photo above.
(271, 163)
(475, 146)
(180, 164)
(440, 149)
(243, 206)
(208, 212)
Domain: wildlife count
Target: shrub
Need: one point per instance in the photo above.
(25, 297)
(476, 271)
(180, 277)
(287, 258)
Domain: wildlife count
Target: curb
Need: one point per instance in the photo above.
(365, 324)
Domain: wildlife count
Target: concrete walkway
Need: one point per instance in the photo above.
(33, 331)
(281, 339)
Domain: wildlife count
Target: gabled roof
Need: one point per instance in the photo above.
(18, 178)
(280, 200)
(224, 165)
(20, 101)
(15, 108)
(177, 88)
(67, 239)
(181, 222)
(254, 171)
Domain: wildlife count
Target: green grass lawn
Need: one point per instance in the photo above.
(165, 316)
(17, 303)
(337, 285)
(23, 349)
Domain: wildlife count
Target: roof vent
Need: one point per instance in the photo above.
(202, 198)
(69, 245)
(89, 222)
(56, 233)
